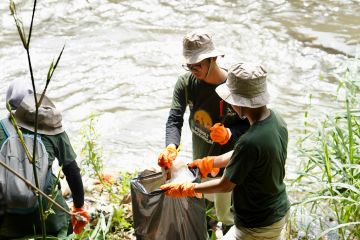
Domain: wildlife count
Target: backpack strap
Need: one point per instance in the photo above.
(8, 127)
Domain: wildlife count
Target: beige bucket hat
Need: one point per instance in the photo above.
(245, 86)
(49, 118)
(197, 47)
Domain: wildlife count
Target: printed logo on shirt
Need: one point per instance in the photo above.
(202, 123)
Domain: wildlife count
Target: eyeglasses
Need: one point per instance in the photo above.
(190, 67)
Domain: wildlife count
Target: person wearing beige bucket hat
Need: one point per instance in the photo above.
(53, 138)
(49, 118)
(213, 123)
(255, 169)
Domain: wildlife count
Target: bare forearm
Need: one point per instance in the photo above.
(215, 186)
(222, 160)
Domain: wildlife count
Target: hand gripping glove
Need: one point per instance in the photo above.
(219, 134)
(80, 218)
(167, 156)
(205, 165)
(180, 190)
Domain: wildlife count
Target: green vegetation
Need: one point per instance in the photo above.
(117, 222)
(330, 176)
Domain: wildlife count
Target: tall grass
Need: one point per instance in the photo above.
(117, 224)
(331, 170)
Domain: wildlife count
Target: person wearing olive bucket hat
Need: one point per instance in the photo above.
(213, 123)
(53, 142)
(255, 169)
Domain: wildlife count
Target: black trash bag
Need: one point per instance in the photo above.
(158, 217)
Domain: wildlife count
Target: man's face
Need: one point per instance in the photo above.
(200, 69)
(239, 110)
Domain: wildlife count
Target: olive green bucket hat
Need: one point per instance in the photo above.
(197, 47)
(245, 86)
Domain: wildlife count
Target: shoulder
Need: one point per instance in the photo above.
(58, 138)
(247, 142)
(186, 82)
(276, 114)
(187, 79)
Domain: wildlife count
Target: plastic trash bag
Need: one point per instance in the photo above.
(158, 217)
(180, 172)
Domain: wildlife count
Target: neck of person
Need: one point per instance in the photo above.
(216, 75)
(257, 114)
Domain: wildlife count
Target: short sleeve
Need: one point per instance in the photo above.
(59, 146)
(66, 153)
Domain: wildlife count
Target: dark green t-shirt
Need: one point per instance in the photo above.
(204, 105)
(257, 167)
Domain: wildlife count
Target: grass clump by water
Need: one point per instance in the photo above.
(109, 195)
(330, 176)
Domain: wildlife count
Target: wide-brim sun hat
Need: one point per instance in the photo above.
(49, 118)
(245, 86)
(199, 46)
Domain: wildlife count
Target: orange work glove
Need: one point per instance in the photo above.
(180, 190)
(219, 134)
(206, 166)
(80, 219)
(166, 158)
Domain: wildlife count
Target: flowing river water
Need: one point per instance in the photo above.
(122, 59)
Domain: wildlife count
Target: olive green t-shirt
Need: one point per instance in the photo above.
(205, 111)
(257, 167)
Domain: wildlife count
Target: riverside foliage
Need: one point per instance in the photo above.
(330, 175)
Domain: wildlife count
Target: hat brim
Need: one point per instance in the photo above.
(199, 57)
(31, 128)
(23, 109)
(238, 100)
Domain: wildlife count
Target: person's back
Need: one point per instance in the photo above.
(58, 146)
(58, 220)
(261, 197)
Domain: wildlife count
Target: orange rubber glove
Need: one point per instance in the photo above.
(219, 134)
(180, 190)
(206, 166)
(79, 220)
(166, 158)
